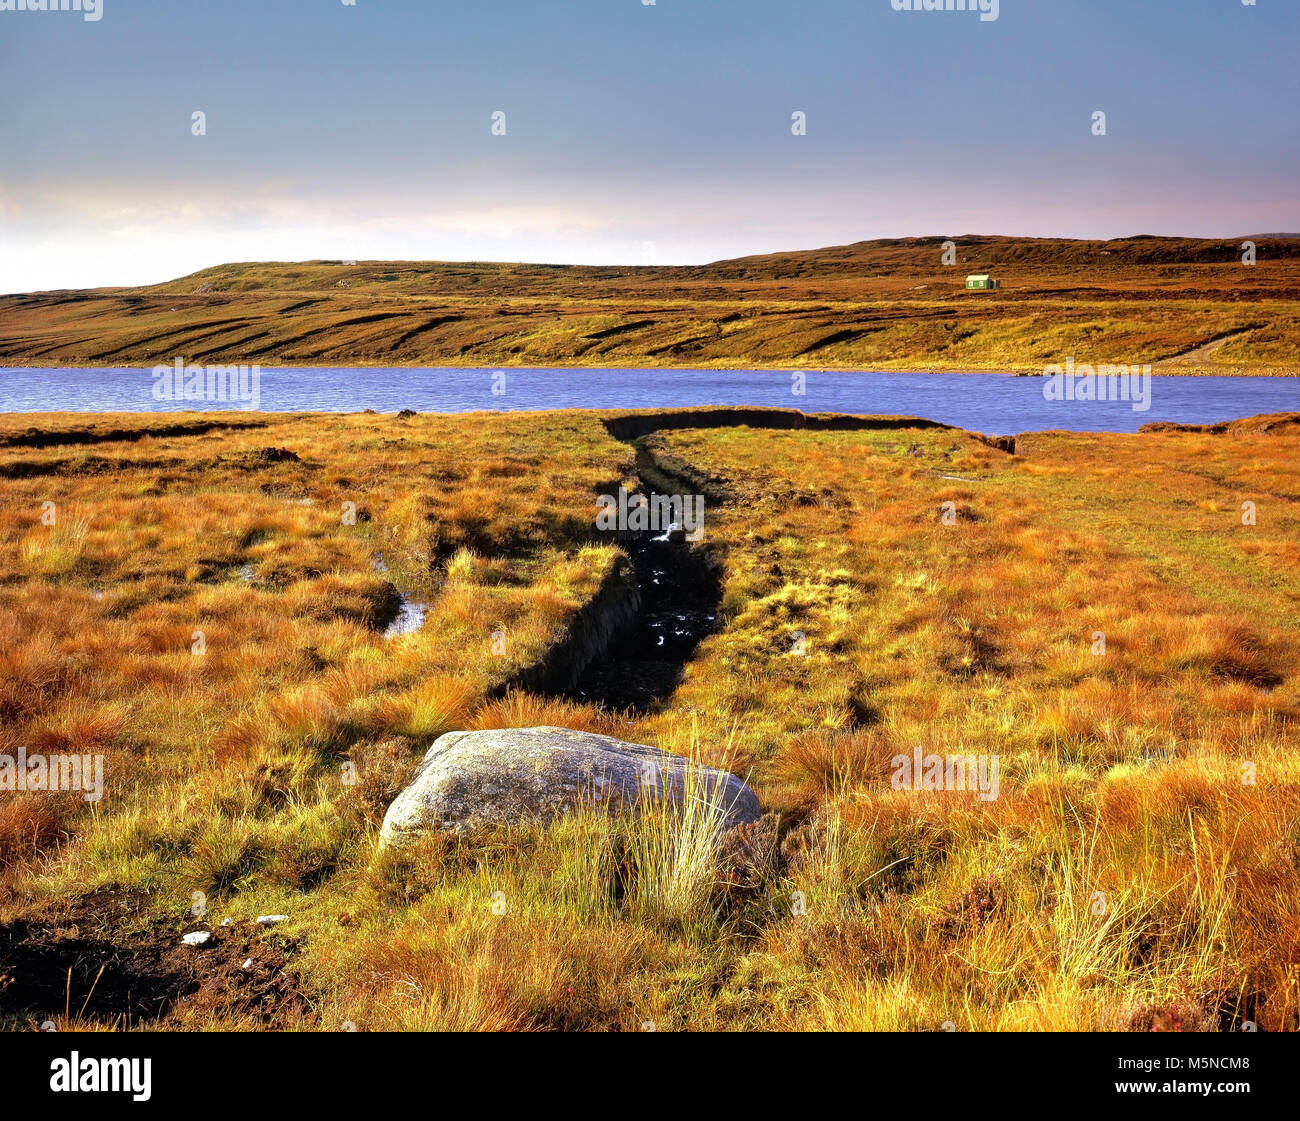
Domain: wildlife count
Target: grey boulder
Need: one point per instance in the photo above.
(511, 775)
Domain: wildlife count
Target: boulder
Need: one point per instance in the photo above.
(511, 775)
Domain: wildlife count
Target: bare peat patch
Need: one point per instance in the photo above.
(90, 962)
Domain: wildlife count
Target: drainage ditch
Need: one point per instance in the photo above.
(679, 591)
(627, 648)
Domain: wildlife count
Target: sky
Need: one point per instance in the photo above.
(634, 133)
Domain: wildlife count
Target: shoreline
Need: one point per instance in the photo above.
(673, 418)
(1156, 371)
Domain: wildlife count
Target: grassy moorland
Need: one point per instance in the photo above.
(1187, 306)
(1139, 869)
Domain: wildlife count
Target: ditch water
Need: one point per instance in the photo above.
(409, 618)
(996, 404)
(680, 593)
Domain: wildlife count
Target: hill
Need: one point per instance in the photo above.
(1187, 305)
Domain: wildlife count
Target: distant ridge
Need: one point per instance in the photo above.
(1190, 305)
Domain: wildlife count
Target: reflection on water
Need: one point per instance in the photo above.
(409, 618)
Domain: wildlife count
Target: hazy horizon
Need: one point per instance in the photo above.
(638, 264)
(633, 134)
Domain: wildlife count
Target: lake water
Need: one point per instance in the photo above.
(996, 404)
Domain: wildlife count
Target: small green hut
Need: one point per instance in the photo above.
(981, 280)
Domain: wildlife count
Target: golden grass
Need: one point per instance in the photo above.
(1139, 867)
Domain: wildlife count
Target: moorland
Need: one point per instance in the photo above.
(202, 600)
(1187, 306)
